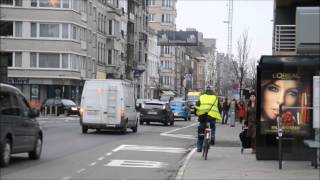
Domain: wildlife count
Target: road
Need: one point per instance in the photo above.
(154, 152)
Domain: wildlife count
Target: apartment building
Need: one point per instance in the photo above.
(296, 27)
(152, 86)
(162, 15)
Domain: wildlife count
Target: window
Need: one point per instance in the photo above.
(18, 59)
(74, 32)
(65, 58)
(33, 59)
(6, 2)
(65, 31)
(151, 17)
(152, 2)
(6, 28)
(109, 56)
(18, 29)
(65, 4)
(50, 3)
(6, 56)
(110, 27)
(9, 104)
(35, 93)
(48, 60)
(33, 30)
(49, 30)
(18, 3)
(34, 3)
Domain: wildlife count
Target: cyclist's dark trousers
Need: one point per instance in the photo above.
(202, 126)
(225, 117)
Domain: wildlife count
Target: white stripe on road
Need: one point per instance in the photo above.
(182, 136)
(135, 164)
(66, 178)
(100, 158)
(150, 149)
(92, 164)
(80, 171)
(108, 154)
(183, 167)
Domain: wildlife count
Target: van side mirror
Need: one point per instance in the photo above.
(34, 113)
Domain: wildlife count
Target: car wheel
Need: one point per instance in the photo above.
(5, 153)
(141, 122)
(66, 113)
(84, 129)
(36, 153)
(148, 122)
(171, 123)
(186, 118)
(135, 129)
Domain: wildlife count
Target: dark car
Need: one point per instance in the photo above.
(156, 111)
(19, 130)
(64, 106)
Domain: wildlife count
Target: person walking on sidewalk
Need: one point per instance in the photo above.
(251, 118)
(225, 111)
(207, 110)
(242, 111)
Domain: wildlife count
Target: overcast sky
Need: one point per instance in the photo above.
(207, 16)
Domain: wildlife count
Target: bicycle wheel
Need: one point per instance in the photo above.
(206, 147)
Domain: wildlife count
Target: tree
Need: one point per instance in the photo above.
(241, 60)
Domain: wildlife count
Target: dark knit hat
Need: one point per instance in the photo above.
(252, 93)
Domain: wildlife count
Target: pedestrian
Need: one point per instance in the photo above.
(252, 118)
(225, 111)
(207, 110)
(232, 109)
(242, 111)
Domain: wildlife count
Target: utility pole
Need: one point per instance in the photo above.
(230, 22)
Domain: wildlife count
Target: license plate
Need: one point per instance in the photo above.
(176, 114)
(91, 113)
(152, 112)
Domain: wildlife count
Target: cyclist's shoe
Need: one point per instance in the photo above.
(199, 150)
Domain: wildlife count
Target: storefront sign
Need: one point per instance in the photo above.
(177, 38)
(18, 81)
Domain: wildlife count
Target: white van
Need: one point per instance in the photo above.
(108, 104)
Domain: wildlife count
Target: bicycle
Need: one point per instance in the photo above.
(206, 141)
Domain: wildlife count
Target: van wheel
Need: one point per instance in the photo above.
(171, 123)
(5, 153)
(124, 129)
(84, 129)
(36, 153)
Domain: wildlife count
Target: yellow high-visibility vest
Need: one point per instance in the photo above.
(209, 104)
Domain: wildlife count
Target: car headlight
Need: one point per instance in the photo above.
(74, 108)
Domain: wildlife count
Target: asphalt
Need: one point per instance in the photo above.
(226, 162)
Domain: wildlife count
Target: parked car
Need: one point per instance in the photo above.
(65, 106)
(156, 111)
(19, 130)
(180, 109)
(108, 104)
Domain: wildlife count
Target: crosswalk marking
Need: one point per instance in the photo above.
(150, 149)
(135, 164)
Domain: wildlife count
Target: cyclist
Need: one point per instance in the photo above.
(207, 110)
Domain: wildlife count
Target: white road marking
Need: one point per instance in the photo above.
(183, 167)
(150, 149)
(182, 136)
(135, 164)
(80, 171)
(100, 158)
(66, 178)
(92, 164)
(108, 154)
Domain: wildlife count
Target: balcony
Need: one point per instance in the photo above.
(284, 39)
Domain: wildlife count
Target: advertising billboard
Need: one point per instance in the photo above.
(290, 90)
(177, 38)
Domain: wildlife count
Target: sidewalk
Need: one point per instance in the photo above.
(226, 162)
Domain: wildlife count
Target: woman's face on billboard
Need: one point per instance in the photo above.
(279, 92)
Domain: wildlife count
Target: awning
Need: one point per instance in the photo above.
(167, 93)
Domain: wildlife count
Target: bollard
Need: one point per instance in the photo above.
(50, 110)
(45, 111)
(56, 110)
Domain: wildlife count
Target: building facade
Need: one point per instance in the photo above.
(162, 15)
